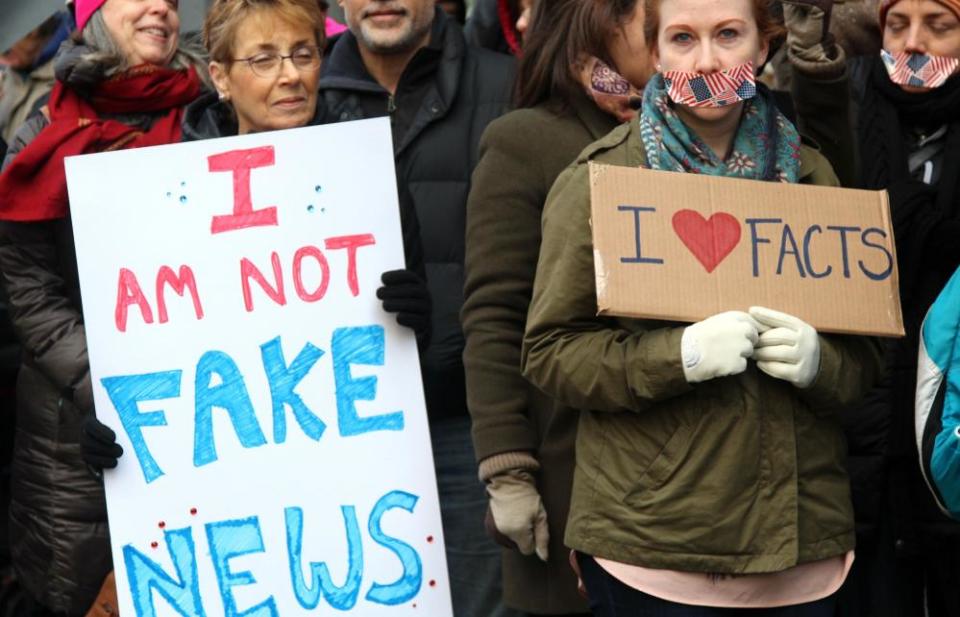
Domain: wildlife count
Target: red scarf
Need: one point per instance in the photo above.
(34, 185)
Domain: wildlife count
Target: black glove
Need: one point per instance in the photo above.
(406, 294)
(98, 444)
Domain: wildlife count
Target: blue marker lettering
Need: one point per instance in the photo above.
(231, 395)
(283, 380)
(229, 539)
(342, 598)
(146, 576)
(806, 253)
(876, 276)
(756, 240)
(408, 585)
(843, 245)
(126, 392)
(638, 258)
(794, 250)
(363, 345)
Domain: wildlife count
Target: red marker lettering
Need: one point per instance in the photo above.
(310, 251)
(351, 243)
(179, 283)
(240, 162)
(248, 271)
(129, 292)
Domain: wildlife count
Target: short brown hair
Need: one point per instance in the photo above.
(561, 34)
(225, 16)
(768, 25)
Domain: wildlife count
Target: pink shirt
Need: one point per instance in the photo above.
(801, 584)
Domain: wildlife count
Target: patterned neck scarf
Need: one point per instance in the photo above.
(609, 90)
(766, 147)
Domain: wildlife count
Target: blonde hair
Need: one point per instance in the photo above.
(225, 16)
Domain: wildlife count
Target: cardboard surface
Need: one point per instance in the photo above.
(277, 457)
(682, 247)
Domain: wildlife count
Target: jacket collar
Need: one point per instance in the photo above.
(208, 118)
(344, 68)
(344, 73)
(594, 119)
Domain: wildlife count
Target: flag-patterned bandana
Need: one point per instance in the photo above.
(919, 70)
(609, 90)
(713, 90)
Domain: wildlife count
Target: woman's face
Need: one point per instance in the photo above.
(268, 96)
(708, 36)
(628, 50)
(921, 27)
(146, 31)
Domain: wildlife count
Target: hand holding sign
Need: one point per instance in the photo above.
(788, 349)
(683, 247)
(405, 293)
(98, 445)
(718, 346)
(277, 448)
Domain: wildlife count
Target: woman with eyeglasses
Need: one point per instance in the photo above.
(265, 58)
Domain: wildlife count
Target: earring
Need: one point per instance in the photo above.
(222, 96)
(659, 68)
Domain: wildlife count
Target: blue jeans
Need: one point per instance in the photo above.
(473, 559)
(611, 598)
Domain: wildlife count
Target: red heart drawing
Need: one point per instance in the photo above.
(710, 241)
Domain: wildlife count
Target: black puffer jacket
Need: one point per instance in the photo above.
(906, 550)
(60, 545)
(58, 521)
(435, 159)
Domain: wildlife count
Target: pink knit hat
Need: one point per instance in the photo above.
(84, 9)
(953, 5)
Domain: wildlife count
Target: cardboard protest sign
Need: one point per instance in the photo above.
(682, 247)
(277, 457)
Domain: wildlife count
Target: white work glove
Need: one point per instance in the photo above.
(789, 348)
(518, 511)
(718, 346)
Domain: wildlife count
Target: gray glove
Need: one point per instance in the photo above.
(808, 30)
(518, 511)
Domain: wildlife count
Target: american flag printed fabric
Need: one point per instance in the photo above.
(714, 90)
(919, 70)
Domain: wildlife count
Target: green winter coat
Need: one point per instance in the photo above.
(742, 474)
(521, 155)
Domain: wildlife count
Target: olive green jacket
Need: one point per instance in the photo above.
(521, 155)
(742, 474)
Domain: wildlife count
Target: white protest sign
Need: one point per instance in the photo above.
(277, 457)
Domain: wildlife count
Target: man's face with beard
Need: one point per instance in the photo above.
(389, 26)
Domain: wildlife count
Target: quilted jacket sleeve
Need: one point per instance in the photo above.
(47, 320)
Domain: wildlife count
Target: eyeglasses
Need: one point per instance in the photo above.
(267, 64)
